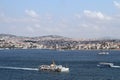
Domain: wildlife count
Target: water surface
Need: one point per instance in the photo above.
(23, 64)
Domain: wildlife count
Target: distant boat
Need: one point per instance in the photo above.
(105, 64)
(54, 67)
(103, 53)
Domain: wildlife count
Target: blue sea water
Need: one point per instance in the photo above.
(23, 64)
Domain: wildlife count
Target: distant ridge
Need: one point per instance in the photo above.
(55, 37)
(40, 37)
(7, 35)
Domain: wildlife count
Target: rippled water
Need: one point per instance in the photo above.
(23, 64)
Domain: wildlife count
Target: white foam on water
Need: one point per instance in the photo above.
(116, 66)
(19, 68)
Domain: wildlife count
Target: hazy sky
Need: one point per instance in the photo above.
(69, 18)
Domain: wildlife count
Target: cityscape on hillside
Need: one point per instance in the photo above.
(54, 42)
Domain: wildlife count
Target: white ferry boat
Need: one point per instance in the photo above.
(54, 67)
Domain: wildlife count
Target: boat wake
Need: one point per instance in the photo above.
(19, 68)
(115, 66)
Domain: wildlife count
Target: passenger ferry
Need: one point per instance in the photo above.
(54, 67)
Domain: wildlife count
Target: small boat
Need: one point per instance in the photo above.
(103, 53)
(54, 67)
(105, 64)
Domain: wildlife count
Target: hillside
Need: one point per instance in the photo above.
(8, 41)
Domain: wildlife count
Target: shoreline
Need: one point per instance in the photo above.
(62, 49)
